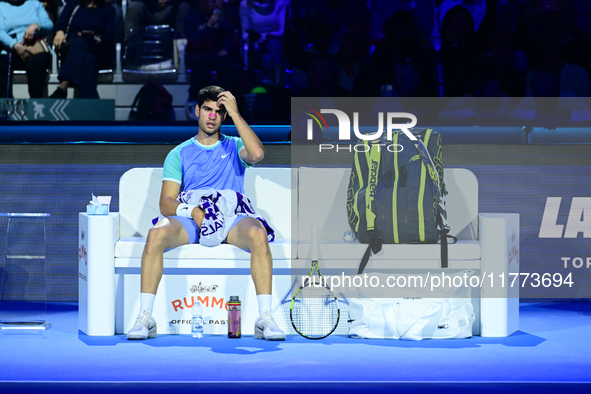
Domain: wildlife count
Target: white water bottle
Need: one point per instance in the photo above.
(197, 320)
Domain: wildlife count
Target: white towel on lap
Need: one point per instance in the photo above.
(221, 210)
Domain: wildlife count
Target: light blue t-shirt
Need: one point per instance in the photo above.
(14, 20)
(195, 166)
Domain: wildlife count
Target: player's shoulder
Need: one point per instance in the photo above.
(227, 139)
(183, 145)
(188, 143)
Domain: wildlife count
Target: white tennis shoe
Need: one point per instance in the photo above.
(145, 327)
(266, 328)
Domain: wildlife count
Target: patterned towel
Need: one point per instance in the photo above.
(221, 209)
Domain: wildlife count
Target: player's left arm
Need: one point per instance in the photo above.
(253, 151)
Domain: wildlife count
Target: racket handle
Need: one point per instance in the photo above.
(314, 243)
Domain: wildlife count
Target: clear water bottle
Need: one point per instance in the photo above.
(197, 320)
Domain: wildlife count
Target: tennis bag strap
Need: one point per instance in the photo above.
(373, 157)
(442, 225)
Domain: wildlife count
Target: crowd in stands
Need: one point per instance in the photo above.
(318, 48)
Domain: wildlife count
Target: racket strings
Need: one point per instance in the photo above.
(315, 312)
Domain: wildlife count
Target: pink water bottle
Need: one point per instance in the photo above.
(234, 317)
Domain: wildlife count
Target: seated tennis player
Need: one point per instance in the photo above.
(210, 160)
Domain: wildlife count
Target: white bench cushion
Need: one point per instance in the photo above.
(463, 254)
(133, 248)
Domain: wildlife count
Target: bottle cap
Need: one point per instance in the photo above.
(234, 299)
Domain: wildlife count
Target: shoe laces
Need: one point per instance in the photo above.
(268, 320)
(145, 315)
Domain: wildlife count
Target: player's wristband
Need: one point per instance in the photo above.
(184, 210)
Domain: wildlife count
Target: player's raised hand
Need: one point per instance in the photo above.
(227, 100)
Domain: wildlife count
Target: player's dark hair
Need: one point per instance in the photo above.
(209, 93)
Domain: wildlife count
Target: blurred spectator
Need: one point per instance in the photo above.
(304, 39)
(549, 55)
(88, 47)
(477, 9)
(354, 72)
(583, 11)
(263, 23)
(405, 80)
(231, 12)
(505, 62)
(561, 18)
(209, 54)
(345, 15)
(550, 105)
(511, 12)
(460, 47)
(141, 13)
(401, 41)
(576, 45)
(421, 11)
(323, 78)
(23, 22)
(458, 52)
(315, 34)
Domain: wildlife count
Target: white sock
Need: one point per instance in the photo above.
(264, 303)
(147, 302)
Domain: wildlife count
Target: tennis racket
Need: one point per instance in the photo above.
(314, 311)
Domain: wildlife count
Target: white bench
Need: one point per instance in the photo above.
(292, 200)
(114, 245)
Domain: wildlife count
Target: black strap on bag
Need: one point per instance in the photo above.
(444, 237)
(443, 240)
(375, 246)
(442, 193)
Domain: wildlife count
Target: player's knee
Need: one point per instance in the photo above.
(258, 237)
(156, 238)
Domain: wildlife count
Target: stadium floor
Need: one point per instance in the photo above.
(550, 354)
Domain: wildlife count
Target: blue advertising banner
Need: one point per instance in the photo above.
(554, 204)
